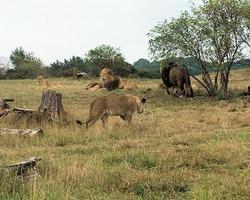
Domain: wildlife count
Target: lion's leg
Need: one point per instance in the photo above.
(127, 118)
(90, 121)
(181, 86)
(188, 90)
(104, 120)
(167, 90)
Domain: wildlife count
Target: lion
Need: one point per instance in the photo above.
(112, 82)
(177, 77)
(124, 84)
(109, 80)
(91, 85)
(45, 83)
(123, 106)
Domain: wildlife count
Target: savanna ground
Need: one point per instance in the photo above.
(177, 149)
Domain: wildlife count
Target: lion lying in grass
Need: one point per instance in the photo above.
(123, 106)
(110, 82)
(47, 84)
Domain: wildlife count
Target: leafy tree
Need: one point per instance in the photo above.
(70, 67)
(19, 57)
(108, 56)
(215, 32)
(142, 63)
(26, 64)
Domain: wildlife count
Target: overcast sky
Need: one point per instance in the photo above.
(58, 29)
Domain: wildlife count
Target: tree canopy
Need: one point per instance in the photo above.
(26, 64)
(108, 56)
(216, 32)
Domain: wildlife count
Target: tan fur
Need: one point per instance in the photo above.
(162, 86)
(91, 85)
(110, 81)
(96, 87)
(124, 84)
(123, 106)
(47, 84)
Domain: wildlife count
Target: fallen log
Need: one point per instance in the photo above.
(21, 132)
(23, 111)
(25, 171)
(22, 168)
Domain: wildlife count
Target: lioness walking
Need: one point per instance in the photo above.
(123, 106)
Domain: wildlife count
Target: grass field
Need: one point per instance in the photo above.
(177, 149)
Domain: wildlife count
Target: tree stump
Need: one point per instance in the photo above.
(50, 110)
(51, 103)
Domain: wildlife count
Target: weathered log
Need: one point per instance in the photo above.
(25, 171)
(23, 167)
(20, 132)
(22, 110)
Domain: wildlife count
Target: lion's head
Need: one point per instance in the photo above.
(109, 80)
(106, 75)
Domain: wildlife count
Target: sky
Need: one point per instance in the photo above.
(58, 29)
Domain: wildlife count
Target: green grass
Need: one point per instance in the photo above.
(177, 149)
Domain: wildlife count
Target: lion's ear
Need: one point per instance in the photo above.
(143, 100)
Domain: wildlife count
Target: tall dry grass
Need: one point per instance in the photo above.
(177, 149)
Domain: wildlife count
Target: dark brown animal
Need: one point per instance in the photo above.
(176, 76)
(123, 106)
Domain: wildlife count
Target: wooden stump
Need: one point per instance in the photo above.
(51, 103)
(50, 110)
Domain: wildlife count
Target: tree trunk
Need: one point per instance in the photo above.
(216, 80)
(206, 77)
(224, 79)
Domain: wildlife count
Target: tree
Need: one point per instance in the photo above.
(142, 63)
(108, 56)
(70, 67)
(26, 64)
(215, 33)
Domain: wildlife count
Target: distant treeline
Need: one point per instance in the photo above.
(29, 66)
(26, 65)
(148, 69)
